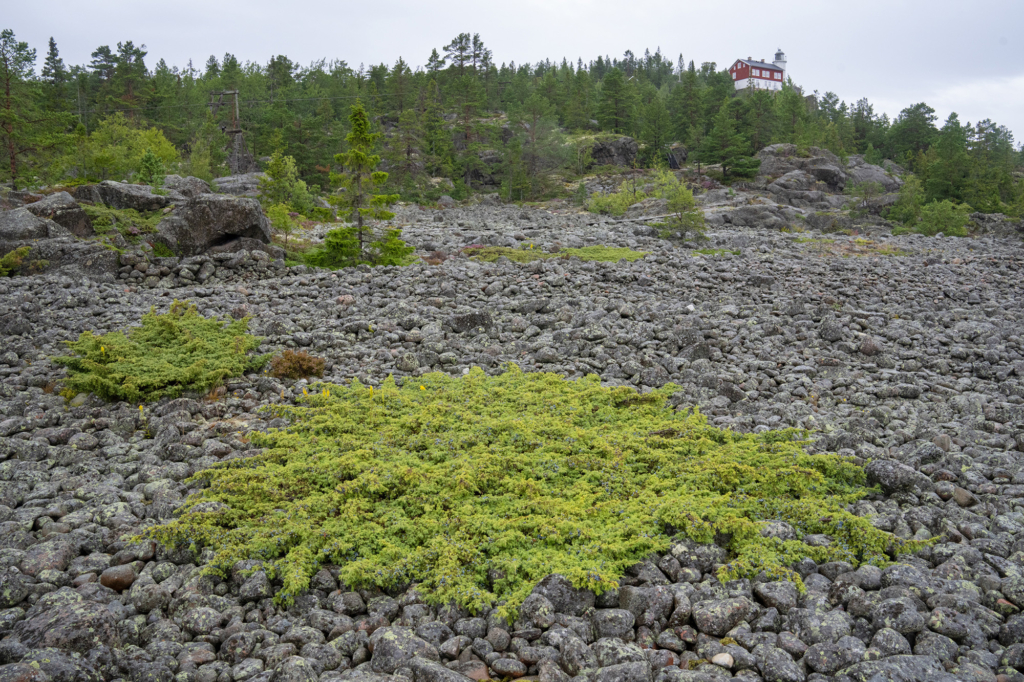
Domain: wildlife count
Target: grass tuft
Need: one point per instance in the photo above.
(609, 254)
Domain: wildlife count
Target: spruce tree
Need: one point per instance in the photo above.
(403, 151)
(358, 203)
(656, 130)
(724, 145)
(26, 128)
(616, 111)
(55, 77)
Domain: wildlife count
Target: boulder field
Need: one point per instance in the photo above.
(902, 352)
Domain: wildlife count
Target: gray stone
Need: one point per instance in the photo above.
(62, 209)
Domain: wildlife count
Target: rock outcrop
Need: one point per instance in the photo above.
(818, 178)
(618, 152)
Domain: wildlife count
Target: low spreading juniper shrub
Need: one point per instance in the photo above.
(292, 365)
(443, 481)
(167, 355)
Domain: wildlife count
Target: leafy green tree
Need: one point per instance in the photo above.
(907, 208)
(913, 132)
(151, 169)
(686, 220)
(616, 110)
(358, 202)
(944, 216)
(283, 186)
(27, 129)
(281, 218)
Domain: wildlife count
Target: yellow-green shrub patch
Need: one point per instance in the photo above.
(442, 480)
(167, 355)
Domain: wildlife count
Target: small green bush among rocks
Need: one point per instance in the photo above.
(169, 354)
(478, 487)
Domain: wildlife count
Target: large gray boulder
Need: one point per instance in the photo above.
(211, 220)
(21, 225)
(860, 172)
(188, 187)
(619, 152)
(62, 209)
(245, 184)
(71, 257)
(122, 195)
(70, 623)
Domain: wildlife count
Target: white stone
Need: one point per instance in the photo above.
(724, 660)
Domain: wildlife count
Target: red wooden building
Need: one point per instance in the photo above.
(752, 73)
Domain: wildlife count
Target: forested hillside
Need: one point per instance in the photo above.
(523, 130)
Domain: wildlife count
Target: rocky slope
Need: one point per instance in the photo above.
(905, 351)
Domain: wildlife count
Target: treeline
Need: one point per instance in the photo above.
(462, 116)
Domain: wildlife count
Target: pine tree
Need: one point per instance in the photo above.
(459, 52)
(151, 170)
(541, 145)
(435, 62)
(129, 83)
(760, 118)
(102, 63)
(212, 68)
(360, 180)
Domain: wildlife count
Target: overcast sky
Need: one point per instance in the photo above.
(960, 56)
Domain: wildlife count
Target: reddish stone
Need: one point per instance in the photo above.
(118, 577)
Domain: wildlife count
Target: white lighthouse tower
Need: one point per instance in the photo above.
(780, 61)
